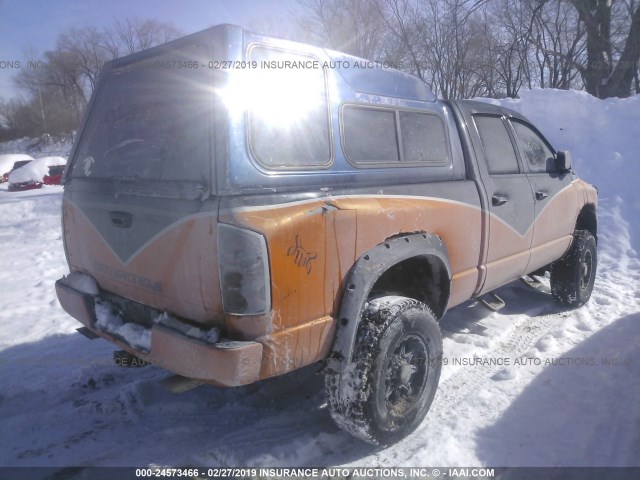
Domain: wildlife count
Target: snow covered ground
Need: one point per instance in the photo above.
(569, 396)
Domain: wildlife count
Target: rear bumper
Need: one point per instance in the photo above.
(222, 363)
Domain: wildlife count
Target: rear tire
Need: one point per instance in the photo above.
(573, 276)
(386, 392)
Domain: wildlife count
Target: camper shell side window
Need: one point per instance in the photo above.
(285, 97)
(375, 135)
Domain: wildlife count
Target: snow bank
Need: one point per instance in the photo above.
(36, 170)
(602, 135)
(7, 161)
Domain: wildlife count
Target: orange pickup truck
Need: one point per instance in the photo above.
(236, 207)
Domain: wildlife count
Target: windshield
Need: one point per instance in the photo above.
(150, 121)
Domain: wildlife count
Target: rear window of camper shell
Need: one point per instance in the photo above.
(151, 121)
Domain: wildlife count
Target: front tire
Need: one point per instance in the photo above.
(573, 276)
(386, 392)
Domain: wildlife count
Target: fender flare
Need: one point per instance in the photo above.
(362, 277)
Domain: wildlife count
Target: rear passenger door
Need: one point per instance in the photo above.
(555, 203)
(509, 201)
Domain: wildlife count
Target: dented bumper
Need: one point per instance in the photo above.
(222, 363)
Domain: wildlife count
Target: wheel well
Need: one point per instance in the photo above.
(413, 264)
(587, 220)
(423, 278)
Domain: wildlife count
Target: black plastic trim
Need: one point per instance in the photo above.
(363, 276)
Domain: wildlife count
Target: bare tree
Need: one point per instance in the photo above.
(558, 38)
(453, 39)
(89, 48)
(54, 93)
(471, 47)
(507, 29)
(631, 6)
(137, 34)
(350, 26)
(9, 114)
(608, 72)
(402, 20)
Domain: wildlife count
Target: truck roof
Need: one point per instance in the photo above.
(362, 75)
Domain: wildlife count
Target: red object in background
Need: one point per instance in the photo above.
(18, 187)
(54, 177)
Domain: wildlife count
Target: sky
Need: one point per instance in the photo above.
(33, 25)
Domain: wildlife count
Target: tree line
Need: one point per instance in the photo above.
(461, 48)
(494, 48)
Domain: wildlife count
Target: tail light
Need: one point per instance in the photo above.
(244, 271)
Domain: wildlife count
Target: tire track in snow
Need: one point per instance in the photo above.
(526, 332)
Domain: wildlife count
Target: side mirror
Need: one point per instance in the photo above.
(563, 161)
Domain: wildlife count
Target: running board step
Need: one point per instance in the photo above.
(87, 333)
(492, 301)
(179, 384)
(535, 283)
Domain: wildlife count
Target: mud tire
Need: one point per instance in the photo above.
(573, 276)
(385, 393)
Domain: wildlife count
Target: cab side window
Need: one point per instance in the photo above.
(498, 149)
(537, 152)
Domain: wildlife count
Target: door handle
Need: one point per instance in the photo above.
(541, 195)
(120, 219)
(499, 199)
